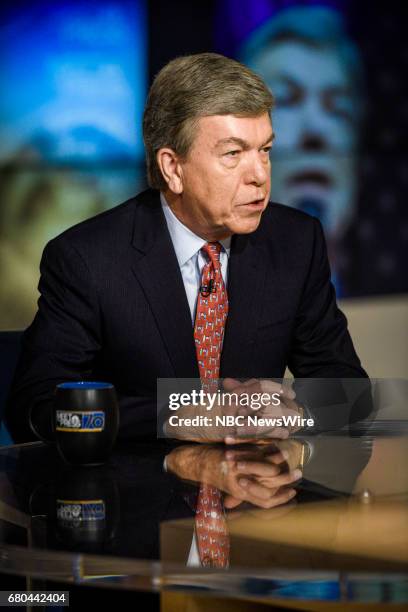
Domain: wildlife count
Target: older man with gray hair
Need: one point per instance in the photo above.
(198, 277)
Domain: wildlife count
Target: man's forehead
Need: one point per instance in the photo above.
(226, 129)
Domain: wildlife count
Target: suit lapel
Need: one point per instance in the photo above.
(156, 268)
(246, 279)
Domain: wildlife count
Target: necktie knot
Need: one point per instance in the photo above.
(213, 250)
(211, 315)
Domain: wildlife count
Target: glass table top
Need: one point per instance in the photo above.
(132, 523)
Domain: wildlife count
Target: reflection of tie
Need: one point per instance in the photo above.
(211, 314)
(211, 528)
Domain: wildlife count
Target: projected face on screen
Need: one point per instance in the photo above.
(316, 127)
(314, 70)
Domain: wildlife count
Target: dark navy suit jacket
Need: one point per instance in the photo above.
(113, 307)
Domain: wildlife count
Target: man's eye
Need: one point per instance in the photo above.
(267, 149)
(232, 153)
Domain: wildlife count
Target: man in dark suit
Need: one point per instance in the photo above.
(119, 292)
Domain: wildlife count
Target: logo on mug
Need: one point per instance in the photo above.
(80, 421)
(77, 511)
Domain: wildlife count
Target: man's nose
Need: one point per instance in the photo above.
(258, 170)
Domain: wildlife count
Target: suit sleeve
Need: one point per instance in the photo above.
(60, 345)
(322, 349)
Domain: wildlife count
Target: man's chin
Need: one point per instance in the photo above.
(247, 226)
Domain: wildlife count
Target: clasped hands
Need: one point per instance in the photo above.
(210, 427)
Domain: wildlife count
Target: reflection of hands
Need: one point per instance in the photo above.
(264, 474)
(292, 450)
(259, 477)
(263, 434)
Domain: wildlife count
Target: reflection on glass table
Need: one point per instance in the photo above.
(134, 523)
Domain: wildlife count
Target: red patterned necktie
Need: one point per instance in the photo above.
(211, 315)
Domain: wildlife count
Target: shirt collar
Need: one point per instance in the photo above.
(186, 243)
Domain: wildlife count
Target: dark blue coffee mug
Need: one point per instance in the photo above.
(86, 421)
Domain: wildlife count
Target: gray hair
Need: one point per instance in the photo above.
(191, 87)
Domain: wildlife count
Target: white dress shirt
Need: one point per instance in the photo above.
(189, 256)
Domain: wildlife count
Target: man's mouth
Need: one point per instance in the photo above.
(255, 203)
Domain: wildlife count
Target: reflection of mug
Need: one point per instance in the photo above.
(86, 421)
(80, 507)
(86, 508)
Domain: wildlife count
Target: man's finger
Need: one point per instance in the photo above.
(281, 507)
(275, 456)
(283, 479)
(276, 497)
(265, 488)
(280, 498)
(278, 458)
(230, 384)
(254, 489)
(231, 502)
(270, 386)
(257, 468)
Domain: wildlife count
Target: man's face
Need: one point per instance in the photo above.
(226, 176)
(314, 156)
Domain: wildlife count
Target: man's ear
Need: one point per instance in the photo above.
(170, 167)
